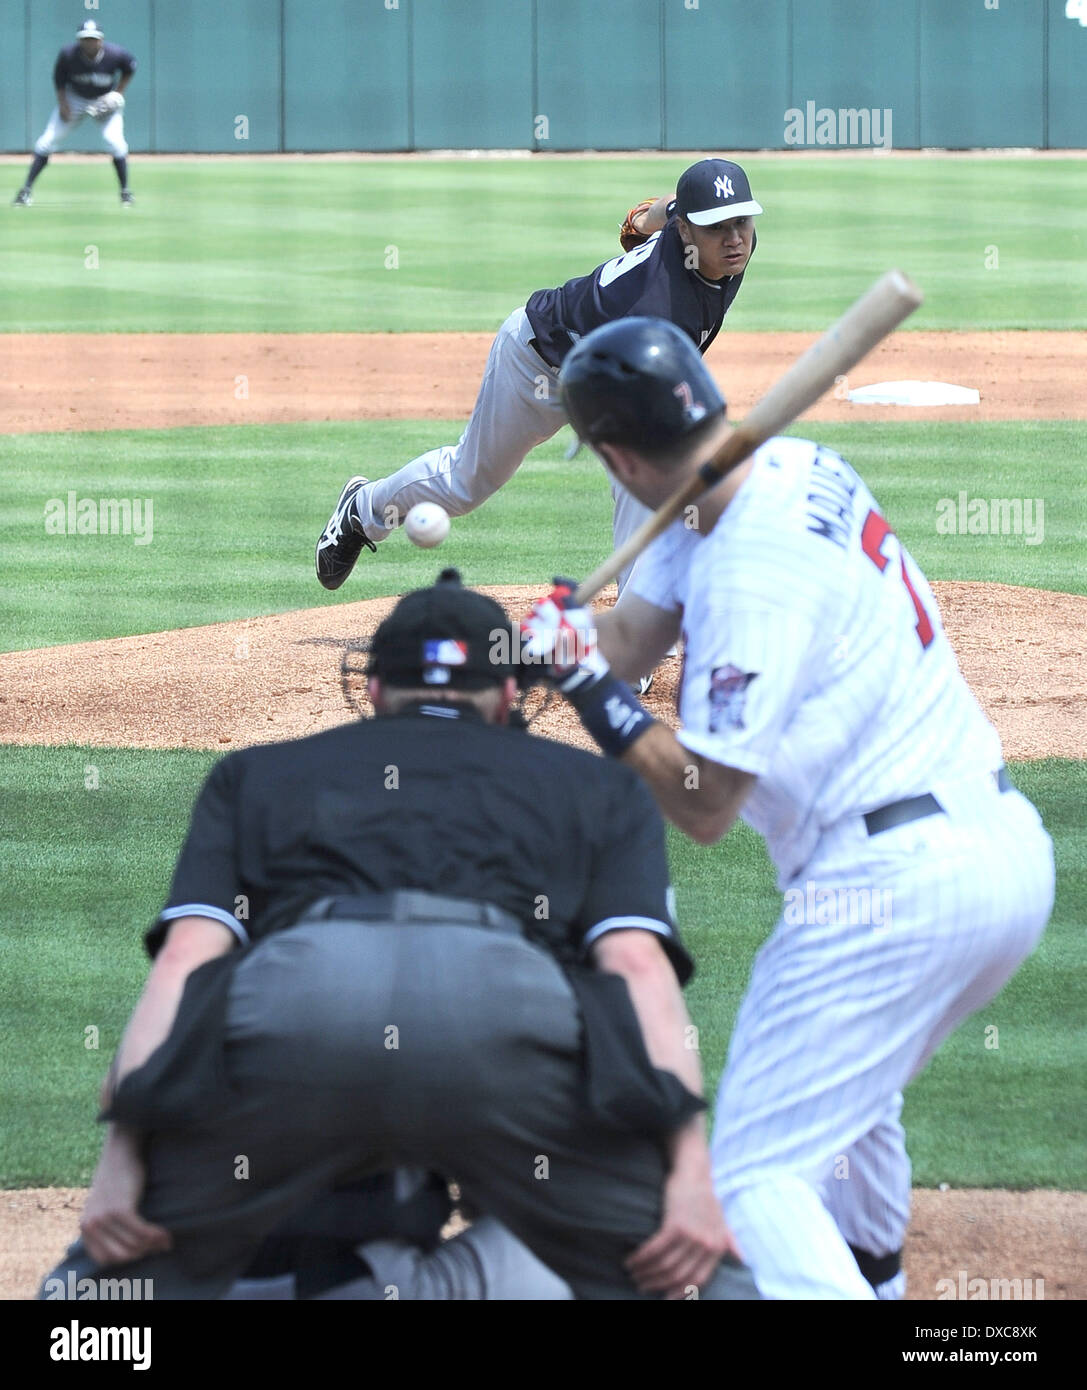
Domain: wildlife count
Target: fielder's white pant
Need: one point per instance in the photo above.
(517, 408)
(112, 128)
(486, 1262)
(845, 1004)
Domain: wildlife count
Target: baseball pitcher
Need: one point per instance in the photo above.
(684, 260)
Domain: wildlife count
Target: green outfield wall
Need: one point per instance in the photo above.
(264, 75)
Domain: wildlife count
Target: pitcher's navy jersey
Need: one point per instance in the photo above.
(92, 78)
(652, 280)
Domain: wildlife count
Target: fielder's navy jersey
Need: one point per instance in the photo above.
(651, 280)
(91, 78)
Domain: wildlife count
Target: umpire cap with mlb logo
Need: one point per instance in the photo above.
(445, 636)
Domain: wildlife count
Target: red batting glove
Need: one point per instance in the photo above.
(559, 640)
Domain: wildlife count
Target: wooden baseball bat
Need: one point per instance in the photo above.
(878, 312)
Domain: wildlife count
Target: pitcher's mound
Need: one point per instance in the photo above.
(264, 679)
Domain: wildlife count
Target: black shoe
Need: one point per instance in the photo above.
(126, 198)
(342, 539)
(22, 199)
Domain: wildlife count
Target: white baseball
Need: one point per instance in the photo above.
(427, 525)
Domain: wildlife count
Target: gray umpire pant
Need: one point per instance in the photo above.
(517, 408)
(353, 1046)
(486, 1263)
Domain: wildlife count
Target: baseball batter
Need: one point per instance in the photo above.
(90, 77)
(688, 269)
(821, 701)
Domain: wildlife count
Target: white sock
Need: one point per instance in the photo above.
(893, 1288)
(791, 1244)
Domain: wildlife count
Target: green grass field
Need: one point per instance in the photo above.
(260, 245)
(202, 566)
(89, 865)
(251, 245)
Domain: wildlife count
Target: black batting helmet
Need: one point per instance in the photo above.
(638, 381)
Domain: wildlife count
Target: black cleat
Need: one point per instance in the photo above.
(127, 199)
(22, 199)
(342, 539)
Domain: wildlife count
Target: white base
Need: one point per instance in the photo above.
(914, 393)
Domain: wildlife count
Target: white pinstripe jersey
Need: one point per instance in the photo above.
(814, 653)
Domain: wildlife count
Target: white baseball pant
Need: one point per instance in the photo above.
(809, 1156)
(112, 128)
(517, 408)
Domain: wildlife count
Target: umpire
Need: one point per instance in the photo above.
(421, 939)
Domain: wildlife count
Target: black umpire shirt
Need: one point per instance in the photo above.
(436, 800)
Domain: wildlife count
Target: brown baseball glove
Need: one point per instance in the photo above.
(629, 236)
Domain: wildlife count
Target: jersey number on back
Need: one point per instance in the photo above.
(873, 535)
(621, 264)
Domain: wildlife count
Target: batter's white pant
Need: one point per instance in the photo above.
(486, 1262)
(112, 128)
(517, 408)
(886, 944)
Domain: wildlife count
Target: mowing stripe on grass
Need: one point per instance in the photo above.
(237, 511)
(87, 867)
(431, 245)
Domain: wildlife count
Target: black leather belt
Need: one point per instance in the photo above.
(917, 807)
(413, 905)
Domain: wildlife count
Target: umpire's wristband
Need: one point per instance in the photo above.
(610, 712)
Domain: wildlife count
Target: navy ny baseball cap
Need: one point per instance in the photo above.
(713, 190)
(89, 30)
(446, 636)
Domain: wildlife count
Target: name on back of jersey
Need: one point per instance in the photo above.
(833, 486)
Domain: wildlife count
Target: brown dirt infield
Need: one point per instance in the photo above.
(957, 1236)
(262, 679)
(156, 381)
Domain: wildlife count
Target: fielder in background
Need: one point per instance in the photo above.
(820, 699)
(422, 941)
(684, 260)
(90, 77)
